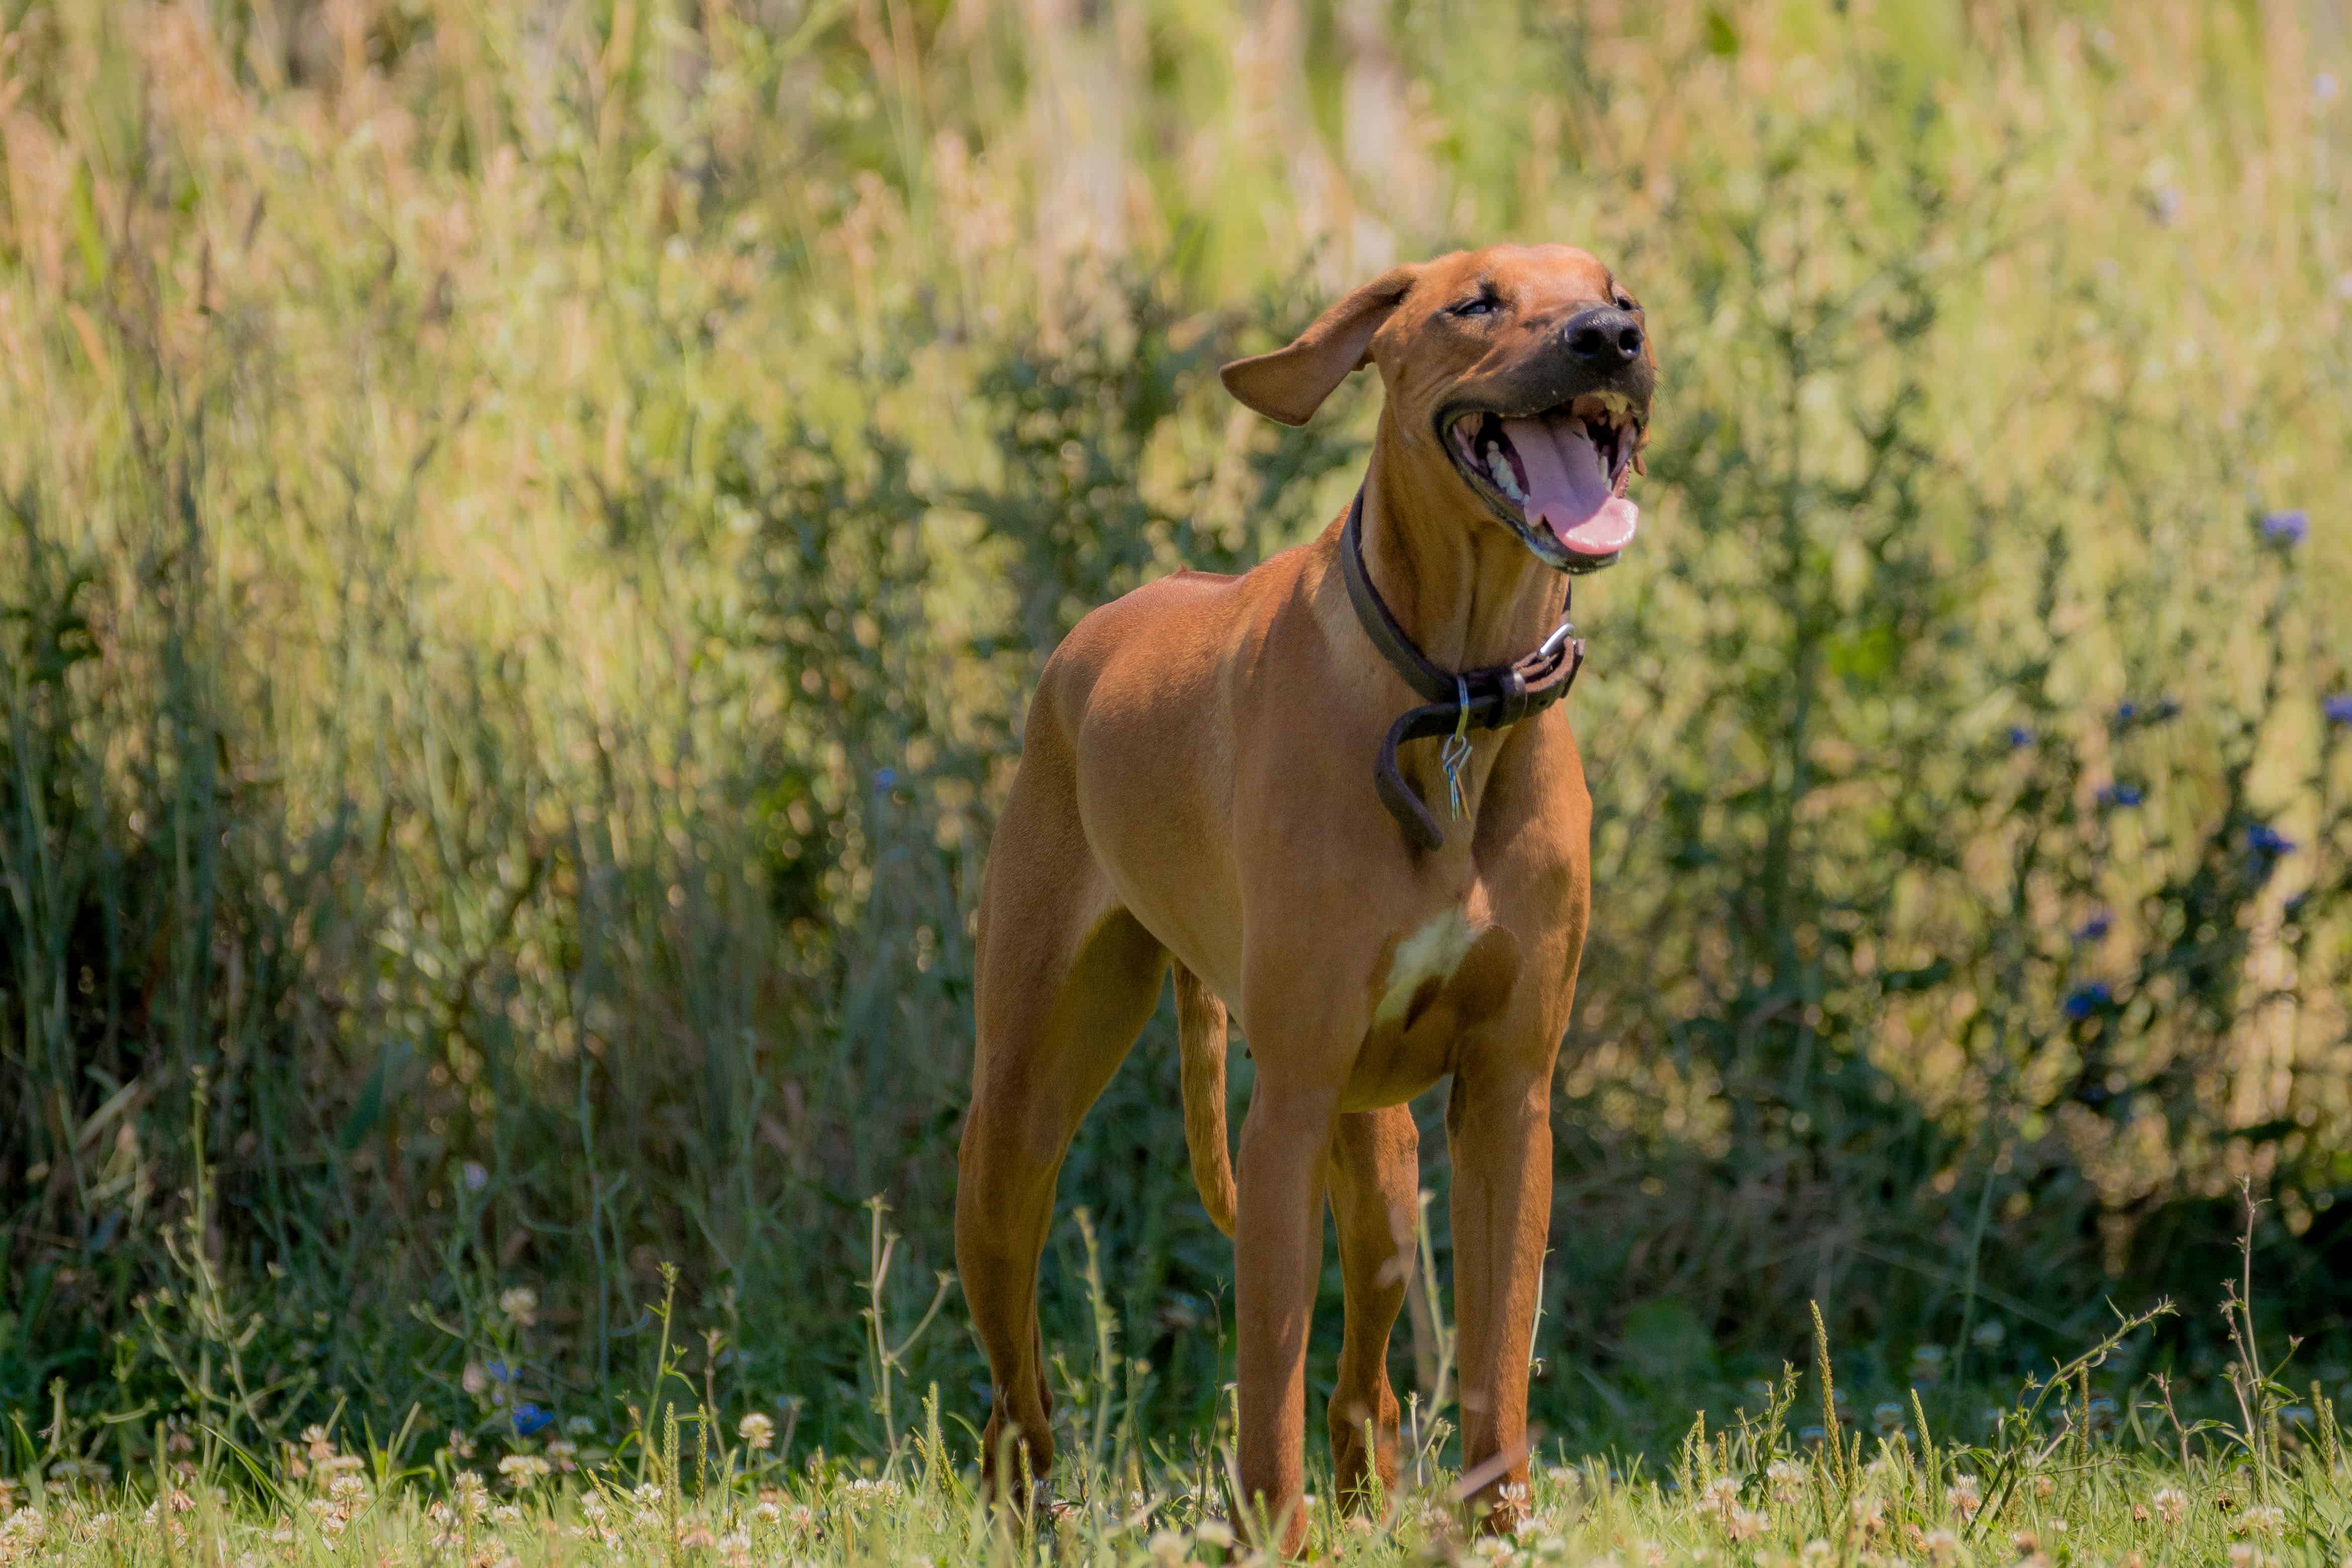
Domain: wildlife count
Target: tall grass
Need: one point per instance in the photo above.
(528, 527)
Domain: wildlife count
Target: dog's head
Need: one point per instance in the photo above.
(1530, 367)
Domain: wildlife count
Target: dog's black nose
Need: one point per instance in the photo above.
(1603, 336)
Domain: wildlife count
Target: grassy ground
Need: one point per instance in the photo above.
(2067, 1479)
(2056, 1470)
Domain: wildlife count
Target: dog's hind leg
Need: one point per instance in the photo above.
(1066, 979)
(1375, 1198)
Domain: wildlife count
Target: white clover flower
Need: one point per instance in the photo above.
(1943, 1547)
(757, 1431)
(1787, 1478)
(2171, 1505)
(1966, 1495)
(522, 1469)
(519, 1306)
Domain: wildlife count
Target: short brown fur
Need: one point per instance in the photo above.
(1196, 787)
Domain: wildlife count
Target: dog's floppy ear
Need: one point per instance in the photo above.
(1290, 384)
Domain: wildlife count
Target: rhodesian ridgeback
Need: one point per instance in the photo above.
(1215, 774)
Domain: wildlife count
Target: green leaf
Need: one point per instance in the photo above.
(369, 1111)
(83, 206)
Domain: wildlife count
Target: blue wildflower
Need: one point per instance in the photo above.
(2268, 841)
(2287, 527)
(2019, 737)
(2338, 708)
(2097, 926)
(885, 779)
(2084, 1000)
(529, 1420)
(2126, 711)
(500, 1371)
(2124, 795)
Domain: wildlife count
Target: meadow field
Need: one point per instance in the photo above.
(525, 531)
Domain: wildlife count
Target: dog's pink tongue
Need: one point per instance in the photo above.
(1568, 486)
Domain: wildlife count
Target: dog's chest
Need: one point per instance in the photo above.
(1427, 956)
(1442, 977)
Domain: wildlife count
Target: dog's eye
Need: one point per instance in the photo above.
(1625, 302)
(1482, 305)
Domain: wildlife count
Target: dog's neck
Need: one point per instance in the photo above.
(1463, 586)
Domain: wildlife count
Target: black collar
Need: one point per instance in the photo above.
(1493, 697)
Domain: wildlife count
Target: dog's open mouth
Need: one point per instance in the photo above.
(1556, 477)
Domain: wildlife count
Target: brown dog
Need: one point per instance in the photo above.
(1197, 783)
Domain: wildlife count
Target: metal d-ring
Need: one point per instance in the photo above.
(1456, 751)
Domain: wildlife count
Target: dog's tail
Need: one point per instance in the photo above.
(1201, 1041)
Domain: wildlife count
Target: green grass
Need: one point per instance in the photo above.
(2066, 1478)
(2108, 1510)
(526, 531)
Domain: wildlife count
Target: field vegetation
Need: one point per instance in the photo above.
(525, 531)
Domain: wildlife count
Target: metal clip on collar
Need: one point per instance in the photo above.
(1494, 697)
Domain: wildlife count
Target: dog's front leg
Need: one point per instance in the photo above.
(1278, 1261)
(1499, 1124)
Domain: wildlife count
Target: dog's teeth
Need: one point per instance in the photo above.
(1500, 468)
